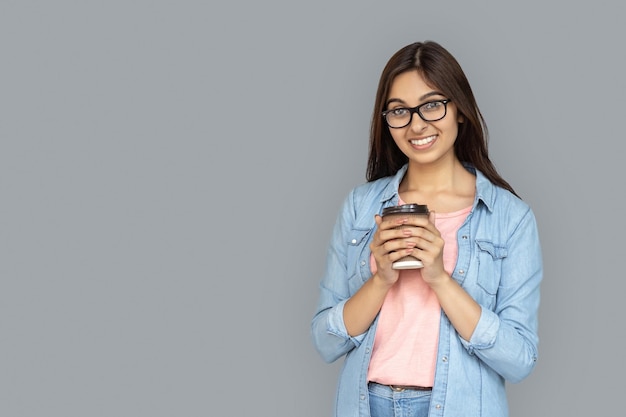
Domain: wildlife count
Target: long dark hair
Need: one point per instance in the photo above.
(441, 71)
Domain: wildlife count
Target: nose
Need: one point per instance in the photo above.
(417, 123)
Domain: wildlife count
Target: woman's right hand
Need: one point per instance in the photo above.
(389, 244)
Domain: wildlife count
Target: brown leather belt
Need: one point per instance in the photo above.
(400, 388)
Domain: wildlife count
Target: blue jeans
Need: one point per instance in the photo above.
(385, 402)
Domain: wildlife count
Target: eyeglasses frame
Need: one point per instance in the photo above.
(416, 109)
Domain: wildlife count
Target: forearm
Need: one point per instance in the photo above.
(361, 309)
(460, 308)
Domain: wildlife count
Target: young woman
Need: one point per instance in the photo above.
(440, 340)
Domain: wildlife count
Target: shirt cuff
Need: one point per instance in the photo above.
(337, 326)
(485, 333)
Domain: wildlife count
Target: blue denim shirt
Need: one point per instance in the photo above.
(499, 264)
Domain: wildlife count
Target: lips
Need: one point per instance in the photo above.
(423, 141)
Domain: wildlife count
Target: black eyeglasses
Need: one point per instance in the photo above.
(428, 112)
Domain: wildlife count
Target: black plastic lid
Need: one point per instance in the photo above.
(406, 209)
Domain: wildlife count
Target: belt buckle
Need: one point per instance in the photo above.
(397, 389)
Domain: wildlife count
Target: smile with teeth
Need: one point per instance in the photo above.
(423, 141)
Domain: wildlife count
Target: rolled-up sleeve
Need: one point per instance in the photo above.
(328, 329)
(506, 338)
(330, 336)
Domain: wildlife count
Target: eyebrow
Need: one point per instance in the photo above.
(422, 98)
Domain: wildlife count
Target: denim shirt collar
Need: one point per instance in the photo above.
(485, 191)
(390, 192)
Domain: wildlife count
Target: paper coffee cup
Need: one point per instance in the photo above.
(406, 210)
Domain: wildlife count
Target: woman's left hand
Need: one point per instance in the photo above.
(429, 247)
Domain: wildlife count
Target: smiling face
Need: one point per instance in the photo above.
(422, 142)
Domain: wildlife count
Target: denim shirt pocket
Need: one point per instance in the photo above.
(356, 262)
(490, 257)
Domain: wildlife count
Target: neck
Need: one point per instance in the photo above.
(443, 175)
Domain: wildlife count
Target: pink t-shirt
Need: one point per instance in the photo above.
(405, 344)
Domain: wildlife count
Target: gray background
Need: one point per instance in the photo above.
(170, 173)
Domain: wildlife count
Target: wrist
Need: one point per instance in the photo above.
(440, 282)
(380, 283)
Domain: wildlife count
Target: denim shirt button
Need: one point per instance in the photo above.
(362, 263)
(444, 359)
(362, 397)
(461, 272)
(367, 350)
(438, 406)
(464, 237)
(354, 241)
